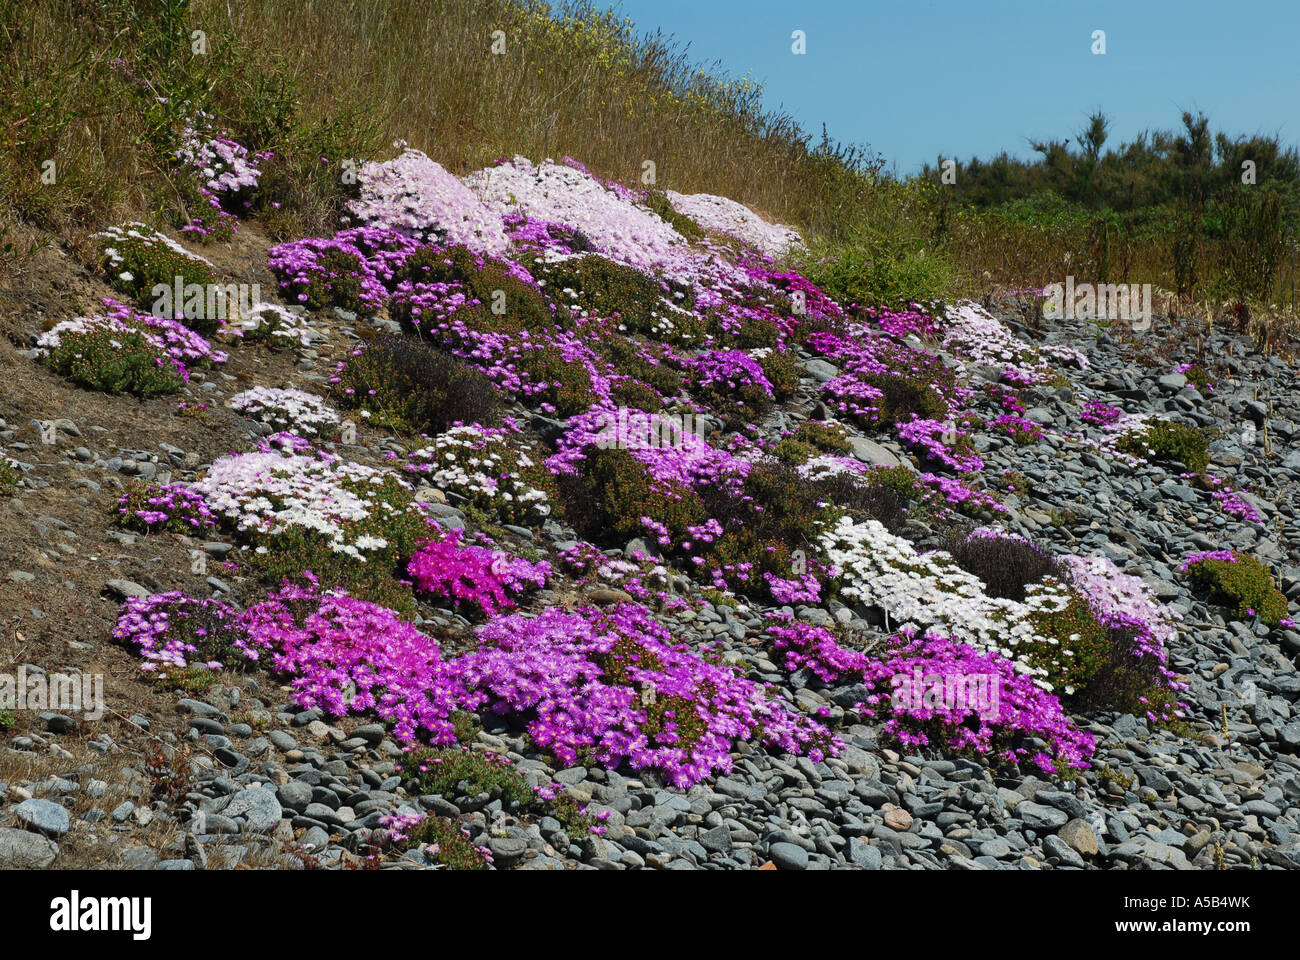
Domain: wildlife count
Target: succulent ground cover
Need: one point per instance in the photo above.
(599, 411)
(546, 286)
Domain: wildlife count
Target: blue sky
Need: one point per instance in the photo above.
(919, 78)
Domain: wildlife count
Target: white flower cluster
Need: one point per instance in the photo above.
(271, 491)
(559, 193)
(930, 590)
(723, 215)
(223, 163)
(286, 409)
(470, 461)
(416, 196)
(135, 230)
(279, 322)
(1129, 425)
(825, 465)
(972, 332)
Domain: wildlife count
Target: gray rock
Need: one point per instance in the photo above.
(1054, 846)
(507, 851)
(717, 840)
(864, 854)
(821, 370)
(122, 589)
(1079, 835)
(788, 856)
(43, 815)
(23, 850)
(1039, 817)
(868, 451)
(258, 806)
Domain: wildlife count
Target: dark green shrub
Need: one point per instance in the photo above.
(525, 307)
(635, 395)
(1075, 629)
(1004, 564)
(907, 395)
(641, 303)
(651, 363)
(568, 385)
(137, 264)
(458, 773)
(410, 385)
(613, 492)
(812, 437)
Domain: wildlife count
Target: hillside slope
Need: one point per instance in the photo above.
(652, 551)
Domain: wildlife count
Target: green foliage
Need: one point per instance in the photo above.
(138, 264)
(10, 477)
(642, 304)
(1165, 441)
(456, 772)
(336, 282)
(1244, 584)
(650, 363)
(491, 283)
(906, 395)
(381, 578)
(811, 437)
(779, 511)
(568, 385)
(880, 266)
(191, 680)
(635, 395)
(782, 371)
(1254, 243)
(444, 841)
(613, 492)
(1198, 377)
(1076, 630)
(114, 361)
(657, 201)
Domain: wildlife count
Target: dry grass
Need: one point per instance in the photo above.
(336, 78)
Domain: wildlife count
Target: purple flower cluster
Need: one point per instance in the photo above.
(901, 323)
(175, 343)
(1102, 414)
(1017, 710)
(728, 371)
(472, 574)
(1223, 556)
(1230, 502)
(941, 442)
(171, 630)
(691, 463)
(1018, 428)
(857, 398)
(347, 656)
(364, 258)
(1007, 399)
(613, 686)
(171, 504)
(959, 495)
